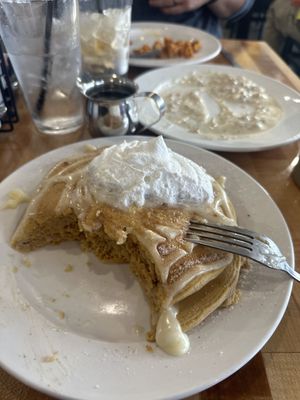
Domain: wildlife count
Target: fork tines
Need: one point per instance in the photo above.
(222, 234)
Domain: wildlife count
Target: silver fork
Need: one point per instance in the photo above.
(233, 239)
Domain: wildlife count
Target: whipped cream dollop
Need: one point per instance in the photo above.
(147, 173)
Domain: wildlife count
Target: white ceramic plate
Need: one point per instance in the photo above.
(78, 335)
(148, 32)
(286, 131)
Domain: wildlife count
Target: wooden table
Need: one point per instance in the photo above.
(274, 373)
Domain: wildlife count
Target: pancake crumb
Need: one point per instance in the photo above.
(61, 314)
(69, 268)
(51, 358)
(26, 262)
(149, 348)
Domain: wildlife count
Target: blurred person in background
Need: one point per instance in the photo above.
(202, 14)
(282, 21)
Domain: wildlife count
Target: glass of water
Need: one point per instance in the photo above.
(42, 41)
(104, 32)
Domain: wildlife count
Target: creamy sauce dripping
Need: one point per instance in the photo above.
(169, 335)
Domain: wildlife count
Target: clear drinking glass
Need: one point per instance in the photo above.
(104, 33)
(43, 44)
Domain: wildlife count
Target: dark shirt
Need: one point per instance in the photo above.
(201, 18)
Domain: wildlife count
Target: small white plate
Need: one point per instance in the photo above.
(148, 32)
(286, 131)
(80, 334)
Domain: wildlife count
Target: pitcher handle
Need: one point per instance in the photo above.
(160, 104)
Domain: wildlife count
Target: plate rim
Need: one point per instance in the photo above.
(214, 144)
(136, 62)
(237, 366)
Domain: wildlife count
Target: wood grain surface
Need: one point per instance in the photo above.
(274, 373)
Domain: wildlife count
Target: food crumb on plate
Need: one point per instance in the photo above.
(26, 262)
(61, 314)
(50, 358)
(149, 348)
(69, 268)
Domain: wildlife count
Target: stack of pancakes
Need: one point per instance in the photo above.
(171, 271)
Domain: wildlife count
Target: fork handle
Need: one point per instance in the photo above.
(291, 271)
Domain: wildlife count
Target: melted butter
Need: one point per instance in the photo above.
(169, 336)
(15, 198)
(220, 104)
